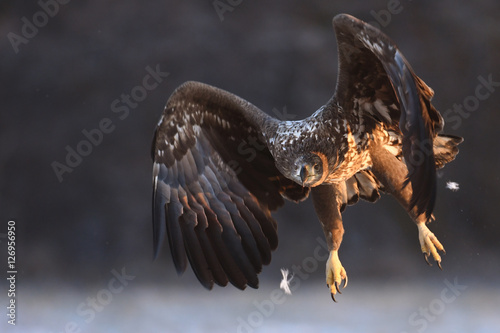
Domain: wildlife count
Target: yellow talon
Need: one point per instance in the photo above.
(429, 244)
(335, 274)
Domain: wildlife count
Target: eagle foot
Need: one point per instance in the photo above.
(335, 274)
(430, 245)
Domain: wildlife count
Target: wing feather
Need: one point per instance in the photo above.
(174, 212)
(221, 244)
(378, 83)
(212, 199)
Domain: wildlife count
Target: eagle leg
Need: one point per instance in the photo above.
(429, 244)
(328, 200)
(335, 274)
(391, 172)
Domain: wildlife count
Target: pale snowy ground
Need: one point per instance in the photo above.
(375, 307)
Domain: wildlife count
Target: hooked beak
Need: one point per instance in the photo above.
(306, 172)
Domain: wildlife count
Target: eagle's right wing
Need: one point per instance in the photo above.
(214, 185)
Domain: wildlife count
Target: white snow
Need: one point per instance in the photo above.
(363, 307)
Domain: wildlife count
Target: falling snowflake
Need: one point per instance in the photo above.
(452, 186)
(285, 282)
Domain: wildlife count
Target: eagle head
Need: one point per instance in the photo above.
(310, 169)
(300, 154)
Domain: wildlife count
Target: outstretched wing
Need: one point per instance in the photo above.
(378, 84)
(214, 185)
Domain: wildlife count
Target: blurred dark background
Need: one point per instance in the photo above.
(64, 78)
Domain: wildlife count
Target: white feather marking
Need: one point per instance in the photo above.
(196, 130)
(285, 282)
(156, 171)
(376, 48)
(384, 112)
(160, 121)
(392, 149)
(315, 114)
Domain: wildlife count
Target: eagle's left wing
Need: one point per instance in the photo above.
(214, 185)
(378, 84)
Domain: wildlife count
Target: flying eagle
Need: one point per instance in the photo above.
(221, 165)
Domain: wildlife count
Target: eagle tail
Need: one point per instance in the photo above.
(445, 149)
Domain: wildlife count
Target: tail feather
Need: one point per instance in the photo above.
(445, 149)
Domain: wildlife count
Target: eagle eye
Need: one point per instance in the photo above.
(316, 167)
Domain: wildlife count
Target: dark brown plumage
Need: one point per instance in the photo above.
(221, 165)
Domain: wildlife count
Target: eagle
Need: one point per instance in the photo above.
(221, 165)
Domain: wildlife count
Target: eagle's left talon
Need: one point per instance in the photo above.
(337, 287)
(426, 258)
(345, 281)
(429, 244)
(335, 274)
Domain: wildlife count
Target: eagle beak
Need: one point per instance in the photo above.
(306, 172)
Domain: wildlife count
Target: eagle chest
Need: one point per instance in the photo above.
(355, 158)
